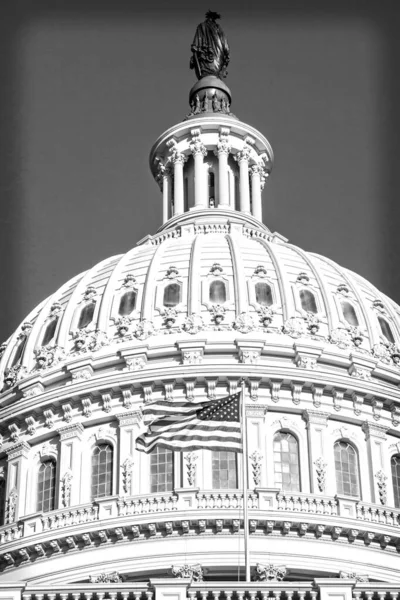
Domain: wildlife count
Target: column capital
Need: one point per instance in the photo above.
(17, 450)
(244, 154)
(256, 170)
(315, 417)
(223, 147)
(70, 431)
(374, 430)
(177, 157)
(197, 147)
(133, 417)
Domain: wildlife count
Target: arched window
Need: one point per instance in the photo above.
(50, 332)
(86, 315)
(286, 461)
(161, 470)
(127, 303)
(102, 470)
(46, 489)
(349, 313)
(346, 468)
(395, 466)
(211, 188)
(217, 292)
(263, 293)
(386, 331)
(307, 300)
(224, 470)
(172, 294)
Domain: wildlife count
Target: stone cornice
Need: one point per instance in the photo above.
(19, 449)
(315, 417)
(70, 431)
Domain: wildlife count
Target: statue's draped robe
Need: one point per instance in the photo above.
(210, 50)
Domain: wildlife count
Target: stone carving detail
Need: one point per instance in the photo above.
(360, 373)
(269, 572)
(11, 506)
(136, 363)
(82, 374)
(31, 425)
(172, 272)
(381, 479)
(127, 475)
(14, 374)
(218, 313)
(90, 294)
(256, 459)
(381, 351)
(192, 357)
(89, 341)
(244, 323)
(341, 337)
(295, 327)
(303, 278)
(169, 388)
(244, 154)
(191, 467)
(123, 325)
(144, 329)
(312, 322)
(46, 356)
(170, 315)
(14, 432)
(192, 572)
(395, 410)
(352, 575)
(193, 324)
(190, 385)
(306, 362)
(266, 315)
(148, 392)
(320, 466)
(196, 146)
(113, 577)
(357, 403)
(211, 385)
(67, 410)
(66, 486)
(129, 280)
(249, 357)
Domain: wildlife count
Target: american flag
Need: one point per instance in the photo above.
(214, 424)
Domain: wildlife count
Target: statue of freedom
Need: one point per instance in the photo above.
(210, 49)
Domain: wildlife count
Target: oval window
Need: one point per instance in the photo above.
(307, 300)
(217, 292)
(172, 294)
(127, 303)
(263, 293)
(386, 331)
(86, 315)
(349, 313)
(50, 332)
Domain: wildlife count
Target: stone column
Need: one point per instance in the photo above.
(256, 171)
(317, 423)
(244, 187)
(378, 463)
(164, 180)
(69, 493)
(178, 159)
(129, 471)
(16, 491)
(223, 151)
(199, 151)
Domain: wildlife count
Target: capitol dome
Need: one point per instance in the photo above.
(213, 302)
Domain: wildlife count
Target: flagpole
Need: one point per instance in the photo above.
(245, 481)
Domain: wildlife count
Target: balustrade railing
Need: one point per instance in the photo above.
(139, 505)
(378, 514)
(92, 591)
(307, 503)
(225, 499)
(253, 591)
(9, 533)
(70, 516)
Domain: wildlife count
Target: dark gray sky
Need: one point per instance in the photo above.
(86, 87)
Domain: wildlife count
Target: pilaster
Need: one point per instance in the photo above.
(69, 492)
(16, 490)
(378, 463)
(316, 424)
(129, 459)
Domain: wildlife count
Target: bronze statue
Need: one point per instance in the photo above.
(210, 49)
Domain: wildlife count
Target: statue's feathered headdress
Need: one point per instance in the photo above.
(212, 16)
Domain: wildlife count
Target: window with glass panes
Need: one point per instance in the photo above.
(349, 313)
(307, 300)
(263, 293)
(395, 464)
(161, 470)
(217, 292)
(46, 489)
(286, 461)
(224, 470)
(102, 470)
(346, 468)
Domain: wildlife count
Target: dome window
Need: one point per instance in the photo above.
(2, 499)
(46, 489)
(224, 470)
(161, 470)
(263, 293)
(172, 294)
(86, 315)
(349, 313)
(346, 468)
(307, 300)
(217, 292)
(50, 332)
(102, 470)
(286, 462)
(18, 352)
(211, 189)
(127, 303)
(386, 331)
(395, 467)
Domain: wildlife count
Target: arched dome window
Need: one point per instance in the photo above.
(395, 467)
(102, 470)
(386, 330)
(211, 188)
(307, 300)
(161, 470)
(263, 293)
(46, 487)
(217, 292)
(127, 303)
(172, 294)
(346, 468)
(86, 315)
(19, 352)
(224, 470)
(349, 313)
(286, 461)
(50, 332)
